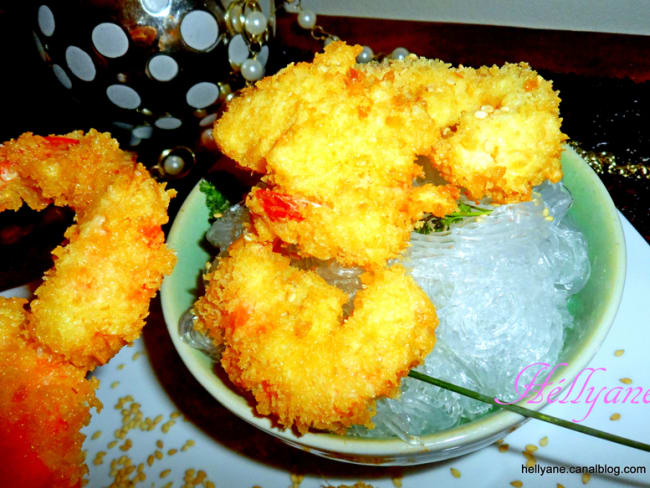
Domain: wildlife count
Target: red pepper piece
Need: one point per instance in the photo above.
(279, 206)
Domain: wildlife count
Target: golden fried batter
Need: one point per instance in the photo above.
(337, 143)
(338, 147)
(96, 297)
(286, 340)
(44, 402)
(499, 127)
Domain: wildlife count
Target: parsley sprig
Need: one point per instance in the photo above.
(430, 223)
(216, 202)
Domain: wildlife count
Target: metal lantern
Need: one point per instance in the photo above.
(157, 70)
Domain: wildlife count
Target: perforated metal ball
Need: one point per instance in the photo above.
(158, 70)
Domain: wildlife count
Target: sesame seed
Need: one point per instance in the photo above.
(454, 472)
(137, 355)
(531, 447)
(487, 108)
(167, 425)
(543, 441)
(296, 479)
(96, 435)
(115, 384)
(171, 452)
(530, 459)
(504, 447)
(159, 444)
(550, 218)
(200, 476)
(158, 454)
(189, 443)
(174, 415)
(585, 478)
(112, 444)
(127, 445)
(480, 114)
(120, 366)
(99, 458)
(559, 485)
(165, 472)
(626, 381)
(517, 484)
(150, 459)
(619, 352)
(615, 416)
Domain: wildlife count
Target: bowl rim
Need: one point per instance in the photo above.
(475, 431)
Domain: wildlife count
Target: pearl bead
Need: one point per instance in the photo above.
(399, 53)
(255, 23)
(207, 139)
(252, 69)
(331, 39)
(306, 19)
(366, 55)
(173, 164)
(235, 17)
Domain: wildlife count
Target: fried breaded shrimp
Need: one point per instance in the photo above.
(287, 343)
(96, 297)
(337, 142)
(499, 127)
(338, 147)
(44, 402)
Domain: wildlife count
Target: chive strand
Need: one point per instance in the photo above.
(531, 413)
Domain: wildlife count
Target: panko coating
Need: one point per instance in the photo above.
(44, 402)
(286, 340)
(337, 142)
(90, 304)
(498, 127)
(338, 148)
(96, 297)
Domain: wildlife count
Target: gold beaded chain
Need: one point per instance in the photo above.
(603, 162)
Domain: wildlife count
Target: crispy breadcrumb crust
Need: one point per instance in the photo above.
(342, 145)
(286, 340)
(44, 402)
(337, 143)
(96, 297)
(498, 128)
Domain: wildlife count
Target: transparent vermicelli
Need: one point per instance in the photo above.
(500, 284)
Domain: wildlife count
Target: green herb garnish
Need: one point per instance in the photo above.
(431, 223)
(216, 202)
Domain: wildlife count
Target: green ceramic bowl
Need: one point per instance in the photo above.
(594, 310)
